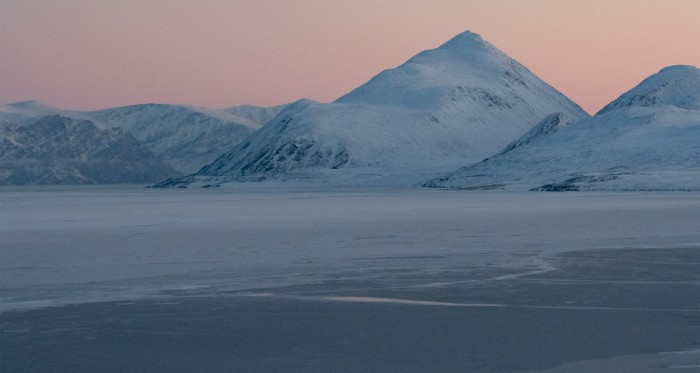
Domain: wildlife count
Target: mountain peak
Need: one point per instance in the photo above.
(674, 69)
(35, 105)
(467, 50)
(466, 40)
(672, 86)
(644, 140)
(25, 112)
(428, 80)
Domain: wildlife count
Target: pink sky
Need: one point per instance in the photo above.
(90, 54)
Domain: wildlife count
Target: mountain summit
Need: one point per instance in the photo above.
(645, 140)
(444, 107)
(673, 85)
(423, 80)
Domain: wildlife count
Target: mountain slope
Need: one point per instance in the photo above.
(60, 150)
(448, 106)
(645, 140)
(256, 115)
(185, 137)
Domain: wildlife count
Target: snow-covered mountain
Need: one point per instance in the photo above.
(442, 108)
(185, 137)
(61, 150)
(648, 139)
(28, 112)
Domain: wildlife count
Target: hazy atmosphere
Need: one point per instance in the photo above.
(87, 54)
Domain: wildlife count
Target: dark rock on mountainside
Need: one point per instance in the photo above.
(60, 150)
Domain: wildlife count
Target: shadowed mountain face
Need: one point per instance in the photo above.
(645, 140)
(60, 150)
(444, 107)
(185, 138)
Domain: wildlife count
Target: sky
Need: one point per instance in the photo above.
(94, 54)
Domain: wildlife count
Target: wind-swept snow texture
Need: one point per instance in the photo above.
(444, 107)
(648, 139)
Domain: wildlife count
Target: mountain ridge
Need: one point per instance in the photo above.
(673, 85)
(185, 137)
(61, 150)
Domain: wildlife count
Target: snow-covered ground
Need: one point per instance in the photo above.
(523, 280)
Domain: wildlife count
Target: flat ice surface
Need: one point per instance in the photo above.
(347, 280)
